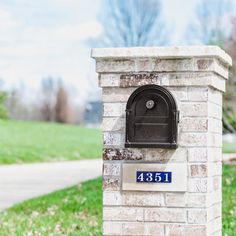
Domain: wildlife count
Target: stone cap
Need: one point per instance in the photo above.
(162, 52)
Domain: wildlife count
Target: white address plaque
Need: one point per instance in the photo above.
(155, 177)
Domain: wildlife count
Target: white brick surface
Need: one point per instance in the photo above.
(109, 80)
(123, 213)
(165, 214)
(111, 169)
(114, 109)
(196, 78)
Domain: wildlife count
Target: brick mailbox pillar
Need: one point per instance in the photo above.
(156, 181)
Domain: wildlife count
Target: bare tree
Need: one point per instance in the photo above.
(132, 23)
(49, 88)
(208, 26)
(63, 112)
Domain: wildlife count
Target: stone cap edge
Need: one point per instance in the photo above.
(162, 52)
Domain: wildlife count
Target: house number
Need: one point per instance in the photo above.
(153, 177)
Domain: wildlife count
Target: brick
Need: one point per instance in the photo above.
(116, 94)
(113, 169)
(113, 139)
(122, 214)
(214, 110)
(165, 214)
(198, 170)
(197, 155)
(172, 65)
(215, 125)
(197, 200)
(112, 228)
(196, 216)
(115, 65)
(185, 230)
(109, 80)
(193, 109)
(114, 109)
(154, 229)
(122, 154)
(198, 94)
(198, 185)
(215, 96)
(112, 198)
(193, 139)
(111, 183)
(180, 93)
(175, 199)
(113, 124)
(137, 80)
(143, 199)
(193, 124)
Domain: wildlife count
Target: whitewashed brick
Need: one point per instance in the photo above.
(179, 93)
(214, 140)
(215, 154)
(197, 155)
(215, 96)
(116, 95)
(215, 125)
(198, 94)
(193, 139)
(197, 200)
(112, 228)
(111, 169)
(115, 65)
(193, 124)
(215, 226)
(143, 199)
(113, 124)
(114, 109)
(195, 109)
(172, 65)
(112, 198)
(197, 185)
(214, 110)
(185, 230)
(197, 216)
(154, 229)
(165, 214)
(122, 214)
(109, 80)
(175, 199)
(113, 139)
(177, 155)
(198, 170)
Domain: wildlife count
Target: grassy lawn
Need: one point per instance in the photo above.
(39, 142)
(229, 200)
(69, 212)
(229, 147)
(78, 211)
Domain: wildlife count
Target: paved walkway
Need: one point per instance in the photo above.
(22, 182)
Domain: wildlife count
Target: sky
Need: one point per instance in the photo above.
(49, 38)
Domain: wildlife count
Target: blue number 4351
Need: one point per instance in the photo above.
(153, 177)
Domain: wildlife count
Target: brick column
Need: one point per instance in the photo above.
(196, 78)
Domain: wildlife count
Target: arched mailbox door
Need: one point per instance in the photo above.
(151, 118)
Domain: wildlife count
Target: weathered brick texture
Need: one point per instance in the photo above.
(196, 78)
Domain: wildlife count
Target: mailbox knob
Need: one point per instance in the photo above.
(150, 104)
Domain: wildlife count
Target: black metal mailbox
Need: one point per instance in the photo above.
(151, 118)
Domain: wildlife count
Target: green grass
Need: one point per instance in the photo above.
(229, 200)
(75, 211)
(22, 142)
(229, 147)
(78, 211)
